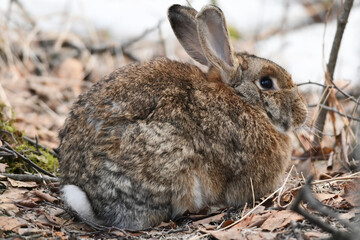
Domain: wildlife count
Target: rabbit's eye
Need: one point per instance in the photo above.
(266, 82)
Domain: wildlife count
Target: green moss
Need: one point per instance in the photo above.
(8, 127)
(14, 137)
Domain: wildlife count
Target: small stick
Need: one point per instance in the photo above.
(45, 196)
(335, 111)
(30, 178)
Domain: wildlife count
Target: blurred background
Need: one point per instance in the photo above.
(51, 51)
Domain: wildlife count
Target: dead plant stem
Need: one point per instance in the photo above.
(341, 23)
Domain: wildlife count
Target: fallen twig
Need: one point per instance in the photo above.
(45, 196)
(30, 178)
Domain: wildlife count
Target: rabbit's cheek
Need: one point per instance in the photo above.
(278, 109)
(299, 111)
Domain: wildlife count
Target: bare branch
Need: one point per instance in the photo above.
(334, 110)
(347, 95)
(341, 23)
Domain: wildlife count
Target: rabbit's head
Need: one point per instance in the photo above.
(260, 82)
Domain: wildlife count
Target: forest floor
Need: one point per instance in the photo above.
(40, 80)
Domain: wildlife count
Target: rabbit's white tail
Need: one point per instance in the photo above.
(78, 201)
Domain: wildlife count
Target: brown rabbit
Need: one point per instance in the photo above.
(154, 139)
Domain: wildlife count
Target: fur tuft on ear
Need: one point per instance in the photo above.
(183, 23)
(215, 41)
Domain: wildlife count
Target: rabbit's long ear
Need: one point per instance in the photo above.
(183, 23)
(215, 41)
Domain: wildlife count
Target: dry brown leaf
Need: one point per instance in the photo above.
(242, 234)
(28, 203)
(11, 223)
(255, 235)
(217, 218)
(229, 234)
(280, 219)
(324, 196)
(16, 183)
(118, 233)
(54, 211)
(253, 220)
(8, 198)
(348, 215)
(227, 223)
(42, 221)
(259, 209)
(53, 219)
(259, 219)
(3, 166)
(351, 193)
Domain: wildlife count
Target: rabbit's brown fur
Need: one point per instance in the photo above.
(154, 139)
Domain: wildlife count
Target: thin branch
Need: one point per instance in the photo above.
(312, 83)
(334, 110)
(347, 95)
(329, 75)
